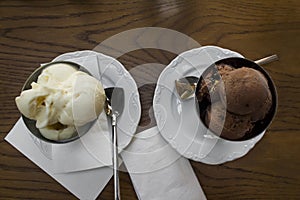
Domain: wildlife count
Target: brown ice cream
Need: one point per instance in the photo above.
(235, 100)
(247, 92)
(233, 127)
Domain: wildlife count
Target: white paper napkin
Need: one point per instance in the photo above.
(157, 171)
(83, 184)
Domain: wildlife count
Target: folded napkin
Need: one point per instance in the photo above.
(83, 184)
(157, 171)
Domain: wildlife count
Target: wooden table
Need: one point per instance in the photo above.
(34, 32)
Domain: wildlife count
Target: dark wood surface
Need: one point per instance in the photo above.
(34, 32)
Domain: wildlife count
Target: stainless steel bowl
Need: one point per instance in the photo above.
(236, 62)
(30, 124)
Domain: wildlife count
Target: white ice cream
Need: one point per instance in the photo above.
(61, 100)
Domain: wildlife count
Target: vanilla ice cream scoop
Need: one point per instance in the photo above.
(61, 100)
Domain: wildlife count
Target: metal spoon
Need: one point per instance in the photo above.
(114, 108)
(186, 86)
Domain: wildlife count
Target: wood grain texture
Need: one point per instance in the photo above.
(34, 32)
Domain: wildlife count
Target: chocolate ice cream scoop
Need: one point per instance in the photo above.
(236, 99)
(247, 92)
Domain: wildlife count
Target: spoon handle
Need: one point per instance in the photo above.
(266, 60)
(115, 157)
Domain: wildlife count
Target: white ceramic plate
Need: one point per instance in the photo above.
(112, 73)
(178, 120)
